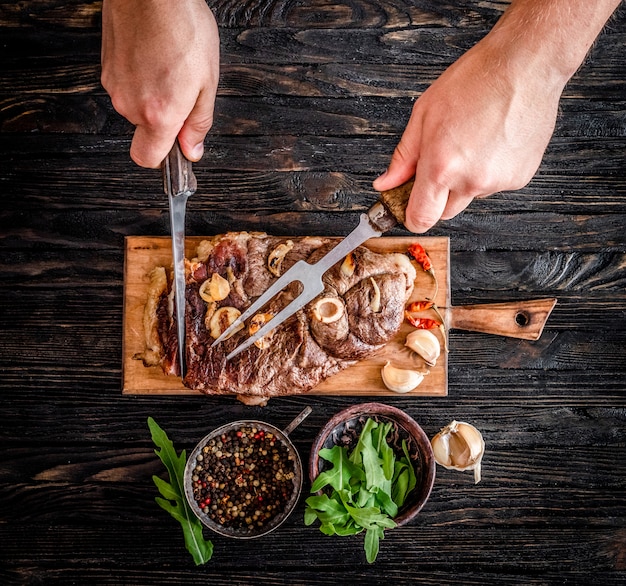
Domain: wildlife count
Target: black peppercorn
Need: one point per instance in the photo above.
(249, 473)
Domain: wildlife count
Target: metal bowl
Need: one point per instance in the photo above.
(344, 428)
(292, 499)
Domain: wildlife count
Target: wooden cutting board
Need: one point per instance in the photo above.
(523, 320)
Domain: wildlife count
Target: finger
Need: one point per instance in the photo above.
(192, 134)
(426, 204)
(456, 203)
(149, 147)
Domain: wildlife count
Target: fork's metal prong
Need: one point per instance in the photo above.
(312, 291)
(295, 273)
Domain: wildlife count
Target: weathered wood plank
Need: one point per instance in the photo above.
(315, 62)
(280, 115)
(314, 173)
(313, 98)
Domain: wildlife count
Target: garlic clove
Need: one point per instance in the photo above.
(256, 323)
(375, 300)
(400, 380)
(426, 344)
(216, 288)
(276, 257)
(348, 265)
(459, 446)
(221, 320)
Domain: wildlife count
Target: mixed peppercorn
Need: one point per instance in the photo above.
(244, 478)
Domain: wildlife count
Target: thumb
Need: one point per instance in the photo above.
(192, 134)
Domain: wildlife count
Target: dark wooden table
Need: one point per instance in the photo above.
(313, 98)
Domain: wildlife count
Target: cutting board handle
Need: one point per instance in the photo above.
(515, 319)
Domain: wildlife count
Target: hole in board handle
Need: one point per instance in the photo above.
(522, 318)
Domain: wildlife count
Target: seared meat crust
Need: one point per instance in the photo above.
(369, 300)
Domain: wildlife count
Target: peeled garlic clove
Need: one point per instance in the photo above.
(400, 380)
(256, 323)
(375, 300)
(276, 257)
(348, 265)
(426, 344)
(216, 288)
(221, 320)
(459, 446)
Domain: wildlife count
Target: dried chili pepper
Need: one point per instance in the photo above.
(422, 323)
(416, 250)
(420, 305)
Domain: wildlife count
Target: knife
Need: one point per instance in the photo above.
(388, 211)
(179, 183)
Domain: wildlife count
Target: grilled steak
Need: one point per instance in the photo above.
(360, 310)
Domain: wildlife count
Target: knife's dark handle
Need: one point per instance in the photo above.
(390, 210)
(178, 177)
(396, 200)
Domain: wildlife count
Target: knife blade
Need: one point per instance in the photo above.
(179, 183)
(382, 216)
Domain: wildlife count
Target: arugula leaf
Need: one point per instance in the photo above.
(340, 474)
(364, 489)
(372, 543)
(174, 501)
(356, 454)
(326, 510)
(375, 524)
(386, 452)
(400, 487)
(386, 503)
(370, 517)
(408, 462)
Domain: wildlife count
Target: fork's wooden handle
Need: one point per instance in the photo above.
(396, 200)
(515, 319)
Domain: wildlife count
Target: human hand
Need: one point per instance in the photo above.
(482, 127)
(160, 65)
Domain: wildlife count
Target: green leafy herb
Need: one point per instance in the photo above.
(364, 489)
(174, 501)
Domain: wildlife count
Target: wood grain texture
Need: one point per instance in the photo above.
(313, 99)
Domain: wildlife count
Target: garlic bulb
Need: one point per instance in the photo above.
(426, 344)
(400, 380)
(459, 446)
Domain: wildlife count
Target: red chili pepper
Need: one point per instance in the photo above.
(419, 305)
(422, 323)
(417, 251)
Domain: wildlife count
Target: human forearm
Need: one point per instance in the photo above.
(551, 37)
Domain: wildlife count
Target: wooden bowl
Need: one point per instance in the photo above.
(344, 429)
